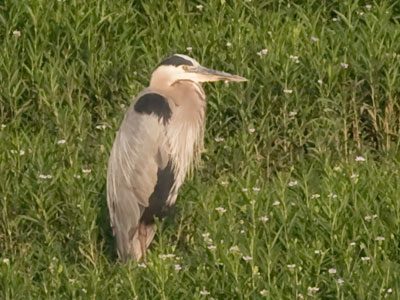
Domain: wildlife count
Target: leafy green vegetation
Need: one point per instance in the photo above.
(298, 196)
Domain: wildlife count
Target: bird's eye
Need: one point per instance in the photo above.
(185, 68)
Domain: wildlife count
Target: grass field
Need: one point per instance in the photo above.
(298, 195)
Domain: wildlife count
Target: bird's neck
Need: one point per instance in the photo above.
(186, 127)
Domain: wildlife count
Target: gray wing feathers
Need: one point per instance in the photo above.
(138, 151)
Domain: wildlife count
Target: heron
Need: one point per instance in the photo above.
(159, 141)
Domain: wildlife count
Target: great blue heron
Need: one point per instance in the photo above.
(159, 140)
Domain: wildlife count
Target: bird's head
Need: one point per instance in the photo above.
(180, 67)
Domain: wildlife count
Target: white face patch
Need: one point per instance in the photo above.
(172, 74)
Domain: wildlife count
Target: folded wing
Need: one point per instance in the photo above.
(139, 152)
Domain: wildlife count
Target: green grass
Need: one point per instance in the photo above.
(69, 70)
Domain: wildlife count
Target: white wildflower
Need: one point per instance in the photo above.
(77, 176)
(292, 183)
(204, 292)
(242, 231)
(263, 292)
(262, 52)
(71, 280)
(177, 267)
(6, 260)
(335, 19)
(251, 129)
(292, 113)
(60, 142)
(337, 169)
(361, 13)
(389, 291)
(3, 126)
(189, 48)
(256, 189)
(206, 237)
(220, 210)
(313, 289)
(340, 281)
(365, 258)
(368, 6)
(43, 176)
(84, 291)
(315, 196)
(165, 256)
(353, 244)
(212, 247)
(17, 33)
(320, 81)
(379, 238)
(300, 296)
(234, 249)
(374, 216)
(247, 258)
(224, 182)
(263, 219)
(292, 266)
(245, 189)
(332, 271)
(332, 196)
(13, 151)
(101, 127)
(344, 65)
(360, 159)
(314, 39)
(354, 176)
(219, 139)
(199, 7)
(86, 171)
(21, 152)
(229, 44)
(276, 203)
(294, 57)
(287, 91)
(317, 251)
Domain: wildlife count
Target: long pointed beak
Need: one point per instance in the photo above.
(203, 74)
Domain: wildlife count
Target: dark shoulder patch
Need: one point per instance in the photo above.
(176, 60)
(157, 201)
(154, 104)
